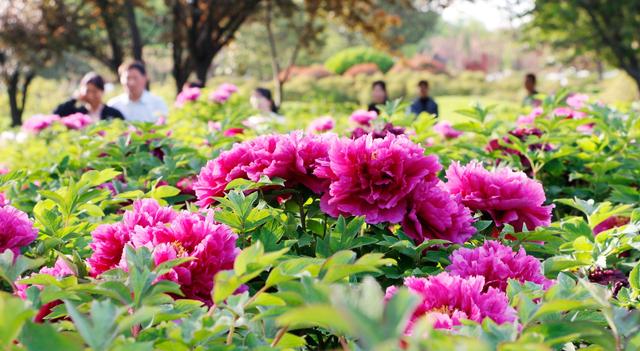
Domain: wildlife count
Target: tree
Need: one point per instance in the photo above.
(199, 30)
(608, 29)
(32, 34)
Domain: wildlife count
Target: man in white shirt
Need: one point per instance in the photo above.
(137, 104)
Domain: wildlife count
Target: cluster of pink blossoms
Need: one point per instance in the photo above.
(474, 286)
(386, 179)
(188, 94)
(223, 93)
(447, 299)
(321, 124)
(38, 123)
(447, 131)
(16, 229)
(363, 117)
(168, 235)
(291, 157)
(508, 197)
(497, 263)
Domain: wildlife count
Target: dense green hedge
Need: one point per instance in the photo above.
(345, 59)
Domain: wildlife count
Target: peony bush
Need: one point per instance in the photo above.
(352, 231)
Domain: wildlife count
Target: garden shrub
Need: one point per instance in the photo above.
(345, 59)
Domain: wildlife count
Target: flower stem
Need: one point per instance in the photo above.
(279, 335)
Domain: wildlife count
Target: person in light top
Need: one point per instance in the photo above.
(137, 104)
(88, 100)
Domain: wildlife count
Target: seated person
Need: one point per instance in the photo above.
(424, 103)
(379, 95)
(137, 103)
(89, 101)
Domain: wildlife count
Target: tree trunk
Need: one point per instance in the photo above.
(181, 68)
(202, 68)
(17, 94)
(117, 54)
(136, 40)
(273, 53)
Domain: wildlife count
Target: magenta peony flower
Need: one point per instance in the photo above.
(37, 123)
(363, 117)
(577, 101)
(374, 177)
(507, 196)
(610, 223)
(447, 300)
(529, 120)
(107, 246)
(219, 96)
(16, 229)
(233, 132)
(497, 264)
(568, 113)
(435, 214)
(445, 129)
(76, 121)
(291, 157)
(59, 271)
(321, 124)
(187, 95)
(168, 235)
(228, 87)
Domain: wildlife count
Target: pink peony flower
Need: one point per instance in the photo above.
(228, 87)
(168, 235)
(219, 96)
(435, 214)
(568, 113)
(445, 129)
(497, 264)
(59, 271)
(321, 124)
(108, 245)
(363, 117)
(212, 245)
(291, 157)
(233, 132)
(374, 177)
(16, 229)
(37, 123)
(529, 120)
(76, 121)
(186, 185)
(507, 196)
(610, 223)
(577, 101)
(187, 95)
(447, 300)
(3, 200)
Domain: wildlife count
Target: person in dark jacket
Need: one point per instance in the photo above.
(89, 101)
(424, 103)
(379, 95)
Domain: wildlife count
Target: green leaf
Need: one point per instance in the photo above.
(38, 337)
(14, 313)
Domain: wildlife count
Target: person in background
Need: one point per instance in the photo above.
(530, 85)
(88, 100)
(378, 95)
(137, 103)
(424, 103)
(262, 100)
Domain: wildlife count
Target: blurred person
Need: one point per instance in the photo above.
(88, 100)
(530, 82)
(379, 95)
(262, 100)
(424, 103)
(137, 103)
